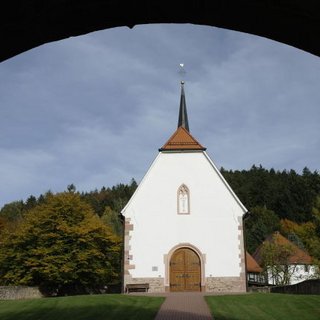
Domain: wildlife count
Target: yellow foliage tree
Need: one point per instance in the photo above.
(275, 261)
(61, 246)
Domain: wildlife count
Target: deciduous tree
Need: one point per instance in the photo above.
(62, 246)
(275, 261)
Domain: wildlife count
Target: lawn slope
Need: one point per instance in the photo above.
(265, 307)
(93, 307)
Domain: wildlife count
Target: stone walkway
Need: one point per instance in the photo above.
(184, 306)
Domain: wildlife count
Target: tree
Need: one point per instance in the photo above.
(61, 246)
(3, 223)
(115, 198)
(283, 261)
(260, 223)
(306, 232)
(30, 203)
(112, 219)
(275, 258)
(289, 194)
(10, 215)
(12, 211)
(316, 215)
(71, 188)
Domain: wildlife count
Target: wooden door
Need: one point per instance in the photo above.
(185, 271)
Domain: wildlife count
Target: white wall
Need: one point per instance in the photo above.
(212, 225)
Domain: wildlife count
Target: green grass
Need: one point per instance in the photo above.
(265, 306)
(93, 307)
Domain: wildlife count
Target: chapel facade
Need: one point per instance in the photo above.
(184, 224)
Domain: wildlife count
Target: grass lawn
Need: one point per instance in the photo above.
(93, 307)
(265, 306)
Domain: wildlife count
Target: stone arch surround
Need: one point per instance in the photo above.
(28, 24)
(167, 259)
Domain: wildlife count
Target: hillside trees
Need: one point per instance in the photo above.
(260, 223)
(289, 194)
(115, 198)
(62, 246)
(292, 197)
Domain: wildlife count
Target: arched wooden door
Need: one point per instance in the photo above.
(185, 271)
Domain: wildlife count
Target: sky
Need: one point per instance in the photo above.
(93, 110)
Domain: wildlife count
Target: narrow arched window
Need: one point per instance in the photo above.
(183, 200)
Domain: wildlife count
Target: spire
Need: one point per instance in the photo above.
(182, 140)
(183, 116)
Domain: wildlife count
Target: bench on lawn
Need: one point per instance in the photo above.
(137, 287)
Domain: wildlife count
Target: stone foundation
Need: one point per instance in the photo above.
(225, 284)
(213, 284)
(156, 284)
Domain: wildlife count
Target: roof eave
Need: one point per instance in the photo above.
(181, 150)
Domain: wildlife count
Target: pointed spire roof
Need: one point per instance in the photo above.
(182, 140)
(183, 116)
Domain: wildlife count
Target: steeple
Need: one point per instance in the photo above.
(183, 116)
(182, 140)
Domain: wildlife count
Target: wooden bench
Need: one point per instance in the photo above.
(137, 287)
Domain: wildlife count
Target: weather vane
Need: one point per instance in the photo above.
(182, 72)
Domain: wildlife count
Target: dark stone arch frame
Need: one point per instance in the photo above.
(25, 24)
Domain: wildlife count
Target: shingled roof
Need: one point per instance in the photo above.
(182, 140)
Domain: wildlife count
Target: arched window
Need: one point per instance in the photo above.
(183, 200)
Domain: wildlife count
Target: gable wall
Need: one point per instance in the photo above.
(213, 225)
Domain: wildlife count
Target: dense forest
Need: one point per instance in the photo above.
(284, 201)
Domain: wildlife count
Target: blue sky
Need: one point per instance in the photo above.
(93, 110)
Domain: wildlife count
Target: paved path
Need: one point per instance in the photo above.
(184, 306)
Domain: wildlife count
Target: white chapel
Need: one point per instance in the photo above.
(184, 224)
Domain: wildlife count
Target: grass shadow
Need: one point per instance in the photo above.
(95, 307)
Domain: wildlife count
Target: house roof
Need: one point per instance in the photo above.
(251, 264)
(298, 255)
(182, 140)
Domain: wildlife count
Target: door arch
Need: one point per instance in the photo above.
(185, 270)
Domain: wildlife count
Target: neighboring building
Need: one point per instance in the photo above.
(291, 263)
(255, 275)
(184, 224)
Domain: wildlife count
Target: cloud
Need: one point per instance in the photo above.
(93, 110)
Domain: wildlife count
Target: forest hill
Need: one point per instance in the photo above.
(284, 201)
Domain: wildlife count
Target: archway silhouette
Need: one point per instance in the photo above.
(28, 24)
